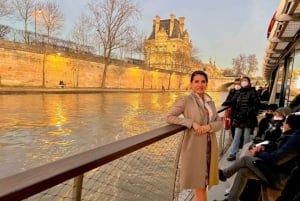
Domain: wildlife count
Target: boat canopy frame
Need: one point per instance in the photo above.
(283, 45)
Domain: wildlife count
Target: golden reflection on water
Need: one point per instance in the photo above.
(57, 117)
(37, 129)
(142, 107)
(133, 121)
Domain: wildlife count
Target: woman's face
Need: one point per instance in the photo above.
(199, 84)
(245, 82)
(285, 127)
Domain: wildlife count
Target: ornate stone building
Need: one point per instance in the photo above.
(169, 46)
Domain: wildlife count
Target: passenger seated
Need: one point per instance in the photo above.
(273, 131)
(271, 124)
(270, 167)
(61, 84)
(264, 123)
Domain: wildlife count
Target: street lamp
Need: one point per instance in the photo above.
(34, 24)
(35, 13)
(44, 63)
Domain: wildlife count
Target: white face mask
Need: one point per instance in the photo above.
(277, 118)
(237, 87)
(244, 83)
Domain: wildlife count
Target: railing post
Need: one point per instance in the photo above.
(77, 188)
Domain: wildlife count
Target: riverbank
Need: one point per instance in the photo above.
(32, 90)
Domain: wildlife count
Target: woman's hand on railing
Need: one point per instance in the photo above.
(201, 129)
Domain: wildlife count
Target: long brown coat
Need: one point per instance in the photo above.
(193, 166)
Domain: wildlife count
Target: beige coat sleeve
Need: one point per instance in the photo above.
(174, 115)
(217, 124)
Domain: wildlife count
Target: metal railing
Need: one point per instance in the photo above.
(142, 167)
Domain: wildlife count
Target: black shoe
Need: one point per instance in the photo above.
(222, 177)
(231, 157)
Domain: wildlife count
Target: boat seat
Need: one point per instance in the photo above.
(268, 193)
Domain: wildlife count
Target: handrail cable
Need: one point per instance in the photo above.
(30, 182)
(35, 180)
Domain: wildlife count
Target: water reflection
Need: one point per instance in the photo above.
(37, 129)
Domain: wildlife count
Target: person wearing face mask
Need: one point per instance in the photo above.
(245, 105)
(274, 131)
(264, 123)
(236, 86)
(228, 101)
(271, 167)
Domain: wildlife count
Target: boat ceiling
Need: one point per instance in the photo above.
(283, 35)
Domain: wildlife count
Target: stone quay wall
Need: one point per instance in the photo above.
(21, 66)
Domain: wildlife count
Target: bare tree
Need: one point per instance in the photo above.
(5, 9)
(4, 30)
(245, 65)
(120, 70)
(252, 64)
(138, 45)
(23, 10)
(183, 64)
(228, 72)
(239, 64)
(82, 31)
(112, 20)
(52, 18)
(182, 61)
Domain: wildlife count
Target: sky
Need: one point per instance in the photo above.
(220, 29)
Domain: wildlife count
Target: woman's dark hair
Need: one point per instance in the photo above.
(247, 78)
(293, 121)
(199, 72)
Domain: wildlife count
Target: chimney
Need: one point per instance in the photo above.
(157, 23)
(181, 24)
(172, 23)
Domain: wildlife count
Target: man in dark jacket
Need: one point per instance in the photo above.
(272, 168)
(229, 98)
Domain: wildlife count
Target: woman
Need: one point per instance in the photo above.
(199, 151)
(246, 105)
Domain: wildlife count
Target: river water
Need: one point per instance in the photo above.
(39, 128)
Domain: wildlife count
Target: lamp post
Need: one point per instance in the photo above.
(35, 24)
(43, 69)
(75, 76)
(35, 20)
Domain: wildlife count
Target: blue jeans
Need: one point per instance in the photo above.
(234, 148)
